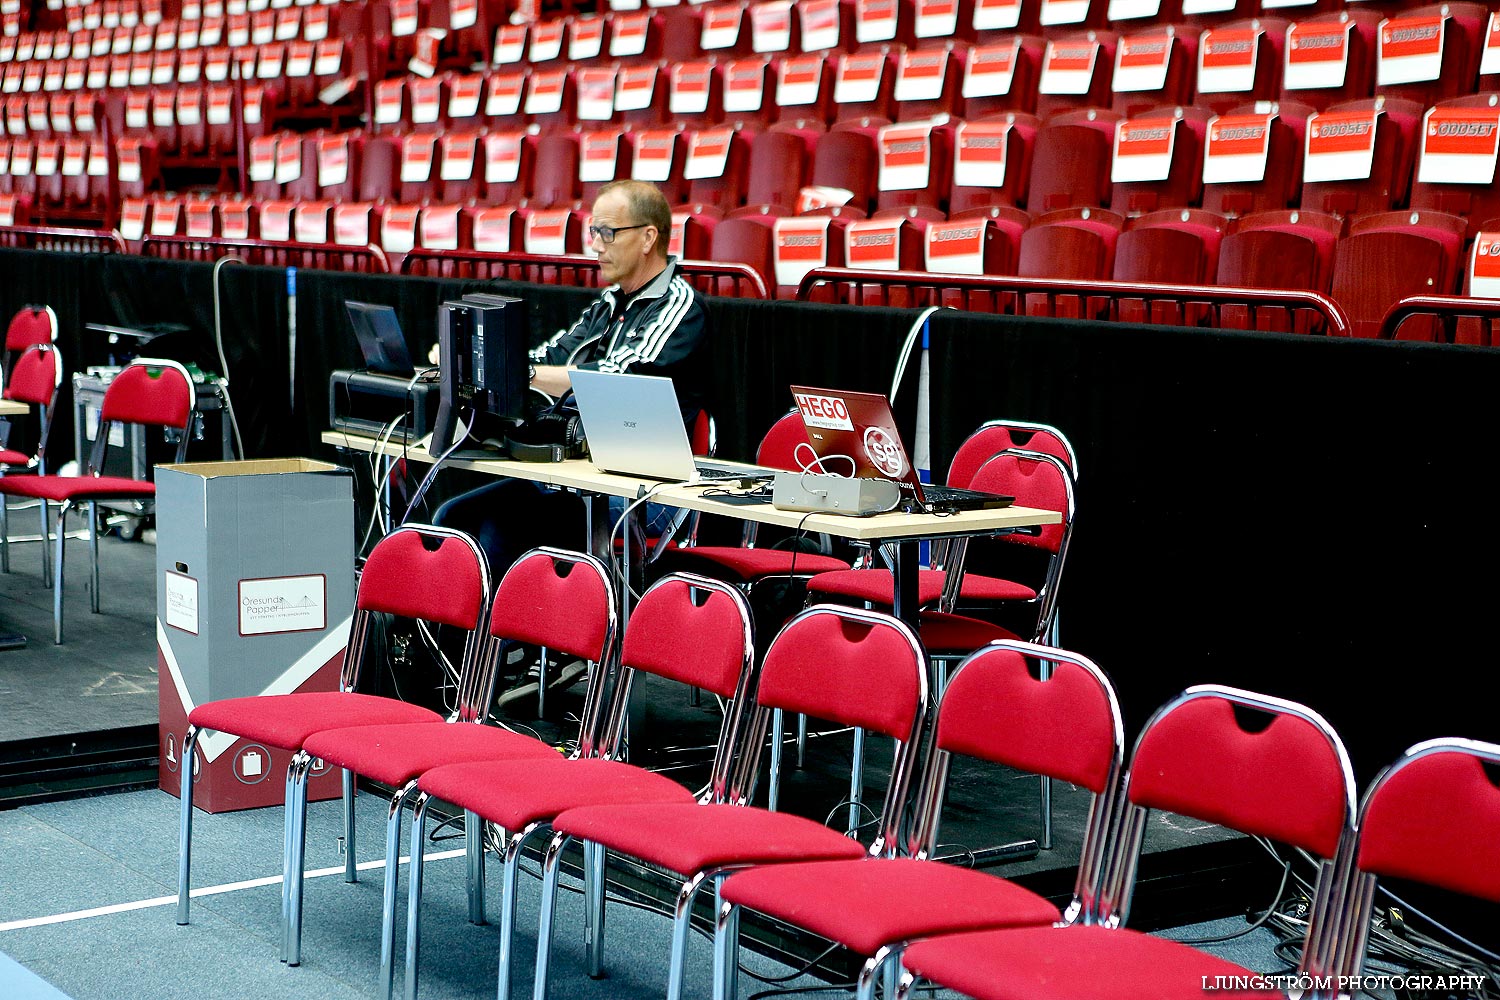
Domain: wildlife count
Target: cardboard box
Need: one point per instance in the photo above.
(254, 595)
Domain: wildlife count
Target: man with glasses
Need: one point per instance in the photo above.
(648, 321)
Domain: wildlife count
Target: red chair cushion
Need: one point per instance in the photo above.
(1068, 963)
(694, 838)
(285, 721)
(393, 755)
(876, 586)
(518, 793)
(748, 565)
(10, 457)
(873, 902)
(60, 488)
(944, 633)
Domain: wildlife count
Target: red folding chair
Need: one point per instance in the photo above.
(425, 574)
(685, 629)
(149, 392)
(34, 379)
(561, 601)
(1259, 765)
(1433, 819)
(1064, 725)
(858, 668)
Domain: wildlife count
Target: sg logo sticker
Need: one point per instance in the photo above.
(885, 452)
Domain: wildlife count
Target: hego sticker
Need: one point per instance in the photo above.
(1317, 56)
(721, 27)
(1489, 63)
(1056, 12)
(504, 96)
(596, 94)
(874, 244)
(1236, 149)
(771, 26)
(351, 225)
(956, 247)
(935, 19)
(1227, 59)
(905, 157)
(1411, 49)
(1132, 10)
(547, 232)
(310, 223)
(635, 87)
(510, 44)
(1484, 267)
(858, 78)
(546, 41)
(1141, 63)
(991, 69)
(333, 161)
(708, 152)
(801, 245)
(827, 412)
(921, 74)
(653, 155)
(1340, 146)
(502, 157)
(996, 15)
(979, 150)
(546, 94)
(1143, 150)
(1459, 146)
(492, 229)
(874, 21)
(629, 35)
(416, 158)
(798, 80)
(1068, 67)
(458, 156)
(690, 86)
(597, 154)
(820, 24)
(588, 38)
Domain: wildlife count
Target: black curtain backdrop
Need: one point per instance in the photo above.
(1294, 515)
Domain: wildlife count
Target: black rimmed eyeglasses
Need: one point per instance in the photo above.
(606, 234)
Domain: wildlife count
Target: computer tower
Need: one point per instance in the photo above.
(482, 355)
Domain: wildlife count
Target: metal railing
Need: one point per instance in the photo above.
(61, 239)
(581, 270)
(1175, 305)
(1442, 314)
(367, 259)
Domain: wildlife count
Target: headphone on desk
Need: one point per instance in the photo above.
(552, 434)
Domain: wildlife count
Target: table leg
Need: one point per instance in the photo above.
(908, 564)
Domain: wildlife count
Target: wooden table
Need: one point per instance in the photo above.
(13, 408)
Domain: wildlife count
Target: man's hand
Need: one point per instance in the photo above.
(551, 379)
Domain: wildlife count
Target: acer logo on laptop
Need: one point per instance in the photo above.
(829, 412)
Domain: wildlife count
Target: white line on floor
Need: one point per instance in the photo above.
(208, 890)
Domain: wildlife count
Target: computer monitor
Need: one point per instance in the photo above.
(380, 338)
(482, 356)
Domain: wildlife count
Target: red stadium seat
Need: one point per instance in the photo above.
(780, 165)
(1240, 61)
(1153, 67)
(1358, 156)
(1376, 268)
(418, 159)
(658, 156)
(717, 167)
(1292, 250)
(1077, 71)
(1158, 160)
(506, 163)
(695, 92)
(1252, 163)
(748, 241)
(1072, 243)
(1172, 247)
(914, 166)
(846, 159)
(749, 87)
(977, 243)
(864, 86)
(1001, 76)
(804, 88)
(1071, 162)
(927, 83)
(825, 26)
(1428, 54)
(1330, 58)
(725, 31)
(1455, 169)
(991, 162)
(641, 94)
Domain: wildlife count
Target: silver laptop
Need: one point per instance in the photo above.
(634, 427)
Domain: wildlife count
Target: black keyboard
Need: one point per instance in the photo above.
(709, 470)
(950, 498)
